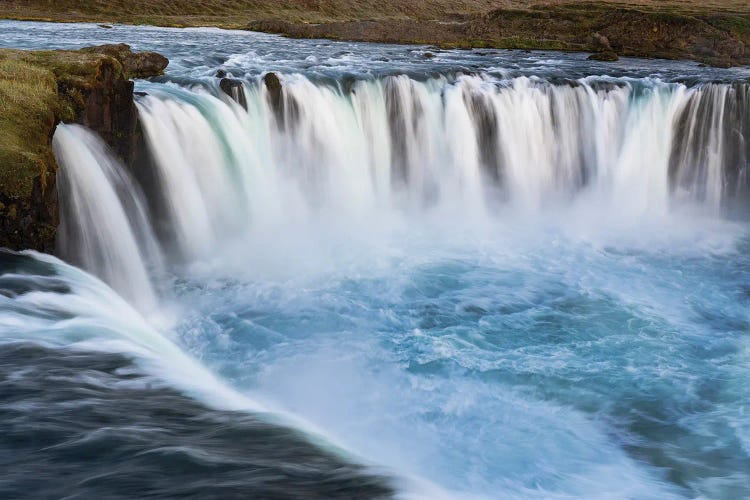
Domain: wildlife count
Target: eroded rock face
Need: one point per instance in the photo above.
(275, 95)
(108, 109)
(234, 89)
(273, 84)
(30, 223)
(134, 64)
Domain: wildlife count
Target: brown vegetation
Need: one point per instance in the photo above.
(712, 31)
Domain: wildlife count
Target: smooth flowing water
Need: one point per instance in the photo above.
(479, 274)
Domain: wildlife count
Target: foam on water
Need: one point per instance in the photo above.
(506, 364)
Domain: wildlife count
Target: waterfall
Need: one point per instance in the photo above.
(474, 147)
(712, 150)
(104, 226)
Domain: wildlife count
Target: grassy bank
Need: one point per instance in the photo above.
(238, 13)
(39, 89)
(30, 105)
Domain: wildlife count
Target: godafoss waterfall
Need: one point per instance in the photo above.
(350, 270)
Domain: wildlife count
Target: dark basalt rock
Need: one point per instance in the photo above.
(608, 56)
(285, 107)
(273, 84)
(108, 108)
(276, 99)
(134, 64)
(234, 89)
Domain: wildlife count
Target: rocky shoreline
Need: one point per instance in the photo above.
(38, 90)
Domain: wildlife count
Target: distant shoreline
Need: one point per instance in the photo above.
(605, 29)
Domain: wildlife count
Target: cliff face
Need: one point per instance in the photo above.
(40, 89)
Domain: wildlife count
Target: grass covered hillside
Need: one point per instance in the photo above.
(239, 12)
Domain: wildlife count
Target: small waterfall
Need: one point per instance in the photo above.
(353, 153)
(104, 226)
(711, 152)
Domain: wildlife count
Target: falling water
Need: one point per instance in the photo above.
(472, 146)
(104, 227)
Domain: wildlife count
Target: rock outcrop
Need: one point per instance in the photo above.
(602, 49)
(275, 95)
(134, 64)
(234, 89)
(38, 90)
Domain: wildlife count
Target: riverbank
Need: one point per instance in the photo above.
(38, 90)
(712, 32)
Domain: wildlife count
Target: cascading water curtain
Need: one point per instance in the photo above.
(472, 146)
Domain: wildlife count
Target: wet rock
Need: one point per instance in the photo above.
(347, 84)
(286, 109)
(608, 56)
(220, 73)
(723, 62)
(134, 64)
(234, 89)
(273, 85)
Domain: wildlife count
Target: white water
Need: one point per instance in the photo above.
(351, 219)
(473, 147)
(81, 312)
(104, 226)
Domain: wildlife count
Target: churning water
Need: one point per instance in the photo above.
(485, 274)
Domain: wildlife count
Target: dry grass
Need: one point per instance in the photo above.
(28, 100)
(703, 7)
(238, 13)
(30, 103)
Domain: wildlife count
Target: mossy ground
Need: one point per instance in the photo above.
(28, 106)
(38, 89)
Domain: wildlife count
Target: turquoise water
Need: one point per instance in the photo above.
(534, 362)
